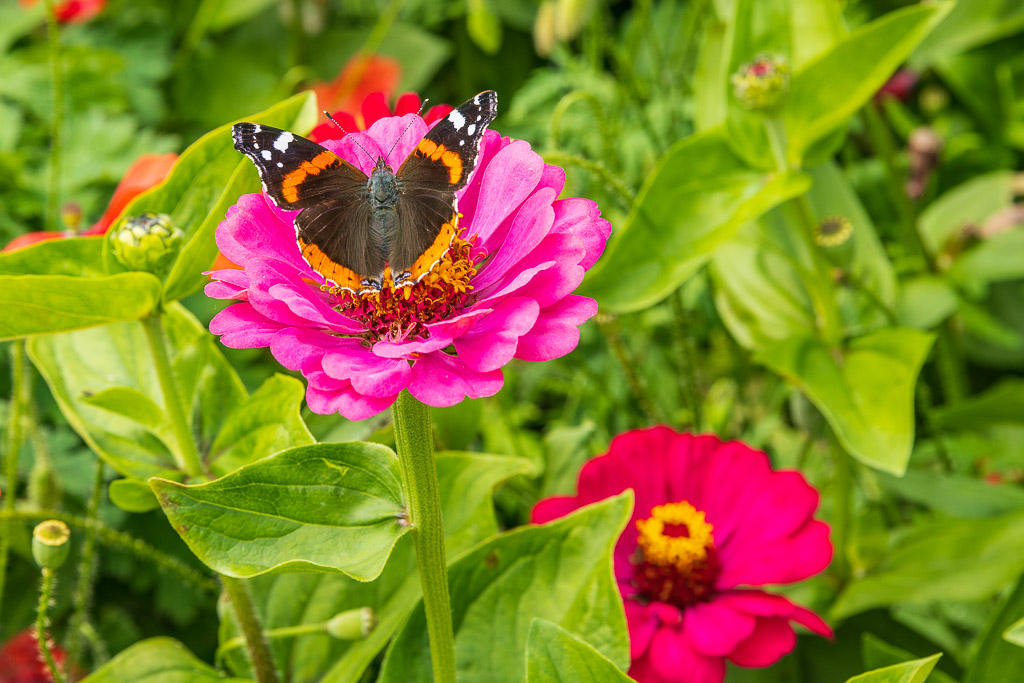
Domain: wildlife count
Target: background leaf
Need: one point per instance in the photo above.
(554, 654)
(915, 671)
(157, 660)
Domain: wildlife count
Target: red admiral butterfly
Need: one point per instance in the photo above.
(352, 226)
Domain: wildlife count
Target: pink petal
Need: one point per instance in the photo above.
(772, 638)
(241, 327)
(675, 661)
(782, 561)
(413, 348)
(326, 395)
(504, 184)
(553, 508)
(642, 624)
(441, 380)
(763, 604)
(223, 290)
(491, 343)
(582, 218)
(369, 374)
(714, 628)
(556, 331)
(252, 230)
(531, 224)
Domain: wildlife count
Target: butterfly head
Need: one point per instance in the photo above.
(382, 185)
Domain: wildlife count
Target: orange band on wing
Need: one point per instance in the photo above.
(429, 258)
(435, 152)
(293, 179)
(343, 277)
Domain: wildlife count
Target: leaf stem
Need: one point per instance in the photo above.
(57, 85)
(249, 623)
(86, 575)
(186, 454)
(688, 354)
(12, 449)
(42, 621)
(415, 446)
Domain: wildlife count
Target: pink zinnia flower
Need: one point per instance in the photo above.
(711, 519)
(372, 109)
(503, 291)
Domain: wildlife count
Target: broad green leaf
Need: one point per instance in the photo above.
(75, 256)
(133, 495)
(207, 179)
(130, 403)
(698, 196)
(265, 423)
(878, 654)
(157, 660)
(16, 20)
(968, 25)
(565, 451)
(554, 654)
(925, 301)
(1015, 634)
(560, 572)
(466, 481)
(954, 494)
(866, 393)
(942, 560)
(327, 507)
(969, 203)
(829, 89)
(995, 659)
(1003, 402)
(996, 259)
(84, 363)
(914, 671)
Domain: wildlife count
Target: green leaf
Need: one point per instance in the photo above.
(914, 671)
(263, 424)
(228, 13)
(967, 26)
(133, 495)
(925, 301)
(554, 654)
(1015, 634)
(560, 572)
(866, 393)
(996, 259)
(157, 660)
(941, 561)
(996, 659)
(697, 197)
(878, 654)
(969, 203)
(483, 26)
(1003, 402)
(207, 179)
(88, 362)
(130, 403)
(829, 89)
(955, 495)
(273, 515)
(466, 482)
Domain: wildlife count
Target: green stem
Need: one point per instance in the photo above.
(248, 622)
(950, 365)
(117, 539)
(42, 621)
(618, 186)
(609, 328)
(12, 449)
(86, 575)
(688, 353)
(296, 36)
(414, 443)
(57, 84)
(842, 508)
(186, 453)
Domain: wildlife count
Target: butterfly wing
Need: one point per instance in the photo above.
(440, 165)
(333, 229)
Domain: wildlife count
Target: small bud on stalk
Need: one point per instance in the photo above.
(353, 624)
(762, 84)
(50, 543)
(148, 242)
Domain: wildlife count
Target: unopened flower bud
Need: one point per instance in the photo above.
(148, 242)
(544, 29)
(50, 543)
(353, 624)
(833, 231)
(71, 216)
(762, 84)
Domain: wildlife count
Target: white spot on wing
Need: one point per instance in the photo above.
(478, 117)
(462, 143)
(471, 129)
(267, 154)
(280, 165)
(256, 128)
(457, 119)
(281, 143)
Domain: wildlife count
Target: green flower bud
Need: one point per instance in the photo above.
(148, 242)
(833, 231)
(50, 543)
(762, 84)
(354, 624)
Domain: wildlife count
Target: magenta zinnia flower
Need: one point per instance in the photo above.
(503, 291)
(711, 519)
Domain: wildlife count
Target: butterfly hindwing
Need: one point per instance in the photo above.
(438, 166)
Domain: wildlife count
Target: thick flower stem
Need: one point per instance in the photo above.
(42, 621)
(12, 447)
(186, 453)
(415, 445)
(57, 86)
(259, 653)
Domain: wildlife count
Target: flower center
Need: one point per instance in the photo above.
(678, 563)
(398, 314)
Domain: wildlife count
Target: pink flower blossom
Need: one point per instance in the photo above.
(711, 520)
(503, 291)
(372, 109)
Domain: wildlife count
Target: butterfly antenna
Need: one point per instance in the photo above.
(368, 155)
(418, 113)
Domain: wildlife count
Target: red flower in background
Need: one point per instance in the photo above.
(360, 76)
(899, 86)
(374, 108)
(712, 519)
(20, 661)
(147, 171)
(73, 11)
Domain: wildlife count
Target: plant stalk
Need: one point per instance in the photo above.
(12, 449)
(186, 453)
(843, 508)
(415, 445)
(42, 621)
(248, 621)
(57, 87)
(86, 575)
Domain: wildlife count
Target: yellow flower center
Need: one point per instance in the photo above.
(675, 535)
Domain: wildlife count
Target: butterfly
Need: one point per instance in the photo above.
(352, 227)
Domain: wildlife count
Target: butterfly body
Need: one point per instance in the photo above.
(353, 227)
